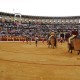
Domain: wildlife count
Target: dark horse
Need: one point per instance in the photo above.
(52, 42)
(75, 45)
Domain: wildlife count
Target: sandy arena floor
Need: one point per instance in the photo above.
(22, 61)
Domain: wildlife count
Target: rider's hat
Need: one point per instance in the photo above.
(52, 33)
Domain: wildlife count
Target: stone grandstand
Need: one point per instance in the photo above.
(17, 26)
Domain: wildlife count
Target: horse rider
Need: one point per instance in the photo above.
(73, 35)
(51, 34)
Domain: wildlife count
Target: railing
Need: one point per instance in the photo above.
(18, 38)
(12, 38)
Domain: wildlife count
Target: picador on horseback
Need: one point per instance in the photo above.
(74, 34)
(74, 41)
(52, 40)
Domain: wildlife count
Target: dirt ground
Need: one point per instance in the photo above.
(22, 61)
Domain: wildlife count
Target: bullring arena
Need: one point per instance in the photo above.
(22, 61)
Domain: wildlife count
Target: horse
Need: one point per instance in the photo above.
(52, 42)
(75, 45)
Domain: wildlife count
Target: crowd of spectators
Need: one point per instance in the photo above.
(31, 30)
